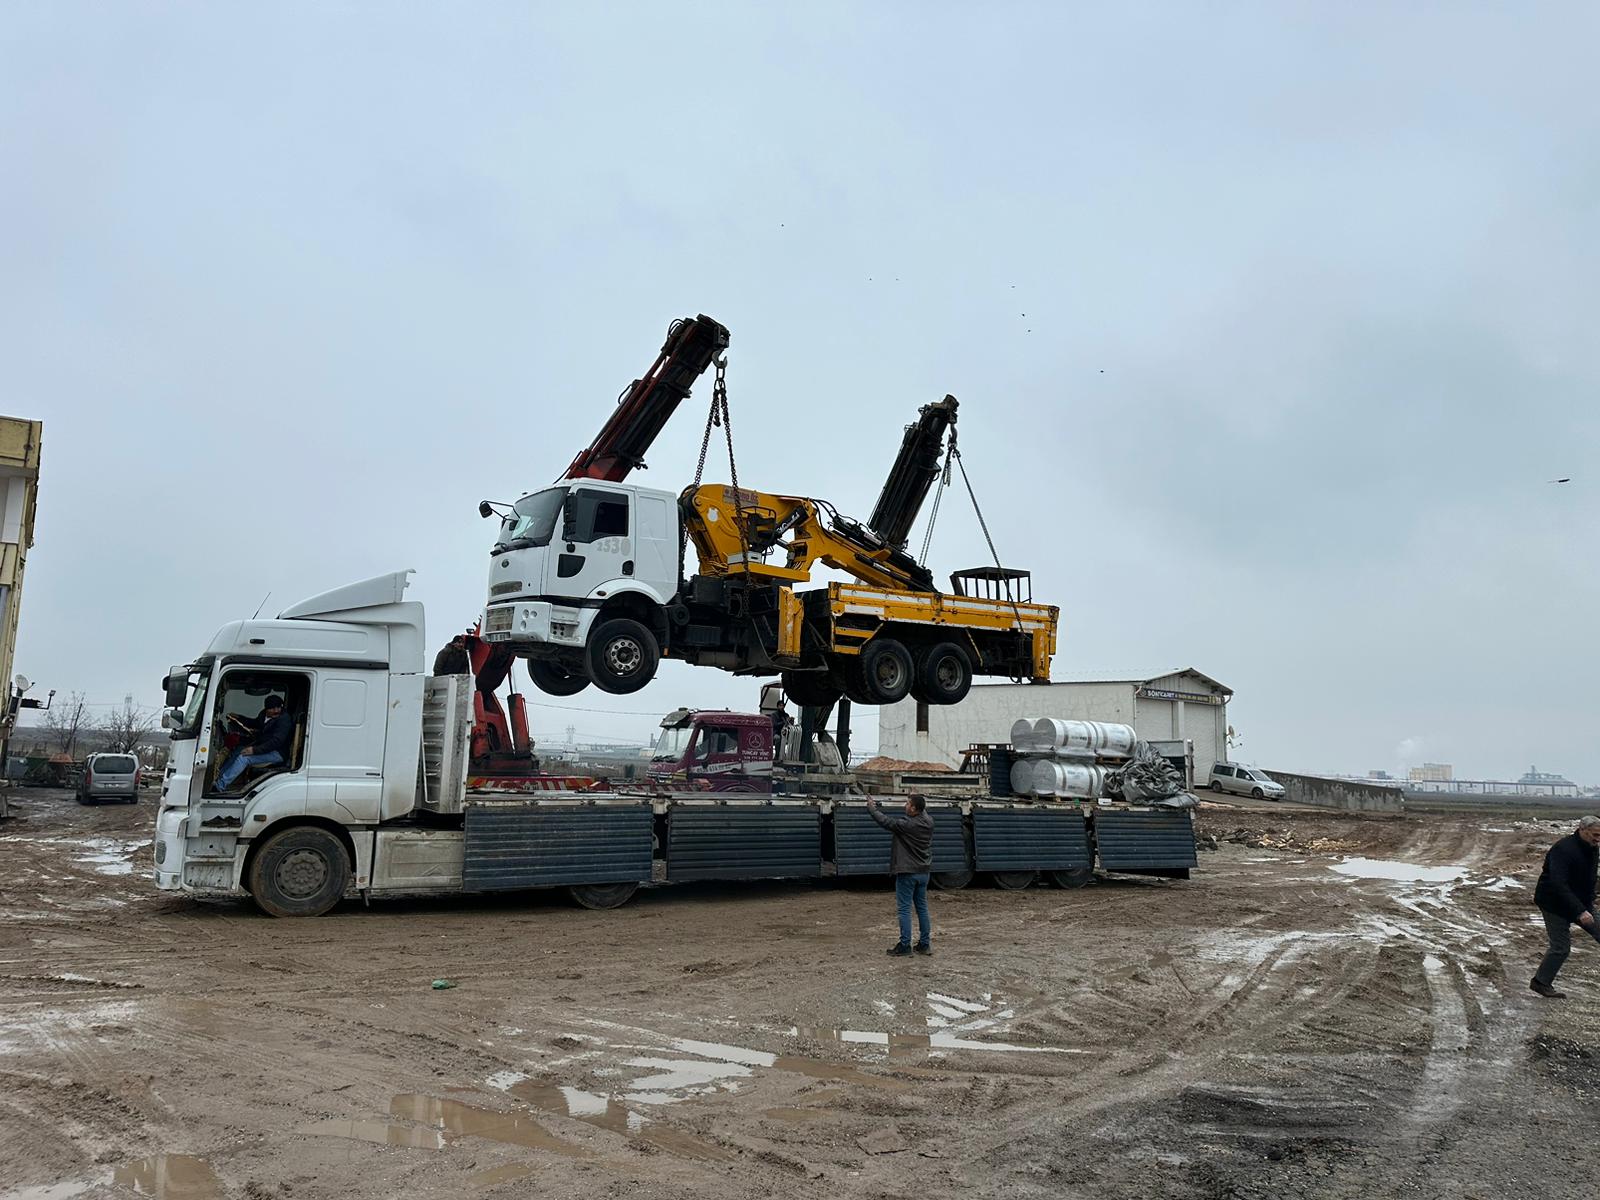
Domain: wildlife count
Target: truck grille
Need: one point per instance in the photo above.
(498, 620)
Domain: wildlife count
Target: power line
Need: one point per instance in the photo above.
(610, 712)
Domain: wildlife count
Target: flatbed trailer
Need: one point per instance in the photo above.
(602, 846)
(375, 796)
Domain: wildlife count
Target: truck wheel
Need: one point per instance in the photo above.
(301, 872)
(810, 689)
(883, 672)
(622, 656)
(944, 675)
(603, 895)
(950, 881)
(1073, 877)
(1014, 881)
(554, 679)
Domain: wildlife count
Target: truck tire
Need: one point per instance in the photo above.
(555, 680)
(622, 656)
(1072, 877)
(883, 673)
(950, 881)
(300, 872)
(944, 674)
(1014, 881)
(811, 689)
(602, 895)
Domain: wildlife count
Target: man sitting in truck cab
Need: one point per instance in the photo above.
(269, 744)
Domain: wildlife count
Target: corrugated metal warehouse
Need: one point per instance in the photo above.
(1166, 705)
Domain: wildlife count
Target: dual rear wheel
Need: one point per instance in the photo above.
(887, 671)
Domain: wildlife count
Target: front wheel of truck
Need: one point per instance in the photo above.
(300, 872)
(555, 680)
(622, 656)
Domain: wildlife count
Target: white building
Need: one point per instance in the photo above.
(1161, 706)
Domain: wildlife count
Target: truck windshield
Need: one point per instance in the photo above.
(194, 708)
(532, 521)
(672, 743)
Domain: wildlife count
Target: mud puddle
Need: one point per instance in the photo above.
(432, 1123)
(162, 1176)
(170, 1177)
(900, 1044)
(1396, 872)
(605, 1112)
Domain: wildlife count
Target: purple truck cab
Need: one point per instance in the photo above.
(713, 750)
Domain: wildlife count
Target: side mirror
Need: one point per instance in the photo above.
(485, 509)
(176, 685)
(172, 718)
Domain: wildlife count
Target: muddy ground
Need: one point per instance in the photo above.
(1271, 1028)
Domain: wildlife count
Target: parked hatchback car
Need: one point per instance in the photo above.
(1245, 781)
(109, 777)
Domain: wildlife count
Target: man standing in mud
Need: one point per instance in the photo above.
(1565, 896)
(910, 861)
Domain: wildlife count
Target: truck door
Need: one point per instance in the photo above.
(715, 753)
(655, 536)
(596, 543)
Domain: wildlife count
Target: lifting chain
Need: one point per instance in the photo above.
(938, 495)
(720, 415)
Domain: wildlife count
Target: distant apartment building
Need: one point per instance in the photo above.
(1432, 773)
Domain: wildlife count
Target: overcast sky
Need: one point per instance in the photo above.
(1269, 322)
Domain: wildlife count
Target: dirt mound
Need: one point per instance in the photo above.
(884, 763)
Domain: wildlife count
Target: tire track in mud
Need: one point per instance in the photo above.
(1301, 989)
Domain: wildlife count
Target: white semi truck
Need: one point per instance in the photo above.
(373, 798)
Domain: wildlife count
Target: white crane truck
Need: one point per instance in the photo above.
(373, 799)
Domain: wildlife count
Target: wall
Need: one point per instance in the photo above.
(1347, 794)
(1204, 724)
(989, 711)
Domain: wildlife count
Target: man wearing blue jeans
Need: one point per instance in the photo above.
(269, 744)
(910, 861)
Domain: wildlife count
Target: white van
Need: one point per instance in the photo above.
(1245, 781)
(109, 777)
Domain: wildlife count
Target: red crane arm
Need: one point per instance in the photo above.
(692, 345)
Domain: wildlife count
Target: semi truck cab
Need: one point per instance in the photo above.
(714, 750)
(349, 667)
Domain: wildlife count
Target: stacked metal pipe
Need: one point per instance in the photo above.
(1057, 758)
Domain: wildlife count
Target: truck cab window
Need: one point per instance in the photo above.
(532, 520)
(716, 741)
(592, 515)
(240, 721)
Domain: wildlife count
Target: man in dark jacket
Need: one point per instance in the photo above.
(910, 861)
(269, 743)
(1565, 896)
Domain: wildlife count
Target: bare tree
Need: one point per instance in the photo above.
(65, 721)
(125, 727)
